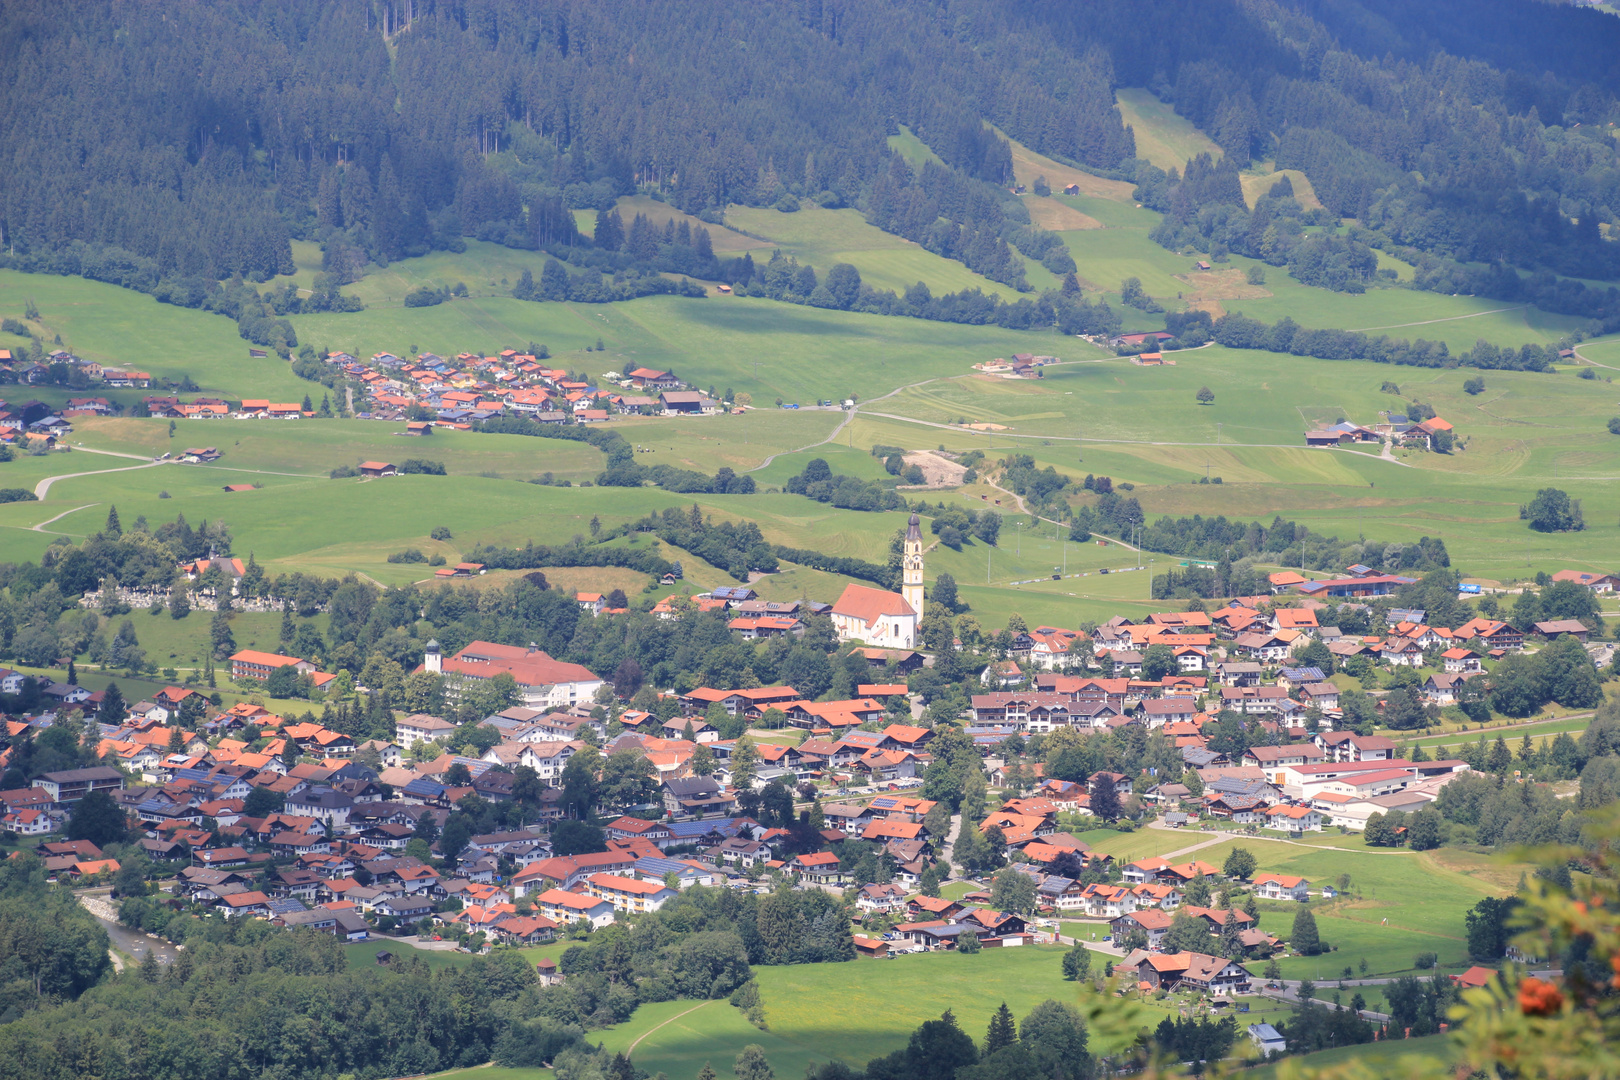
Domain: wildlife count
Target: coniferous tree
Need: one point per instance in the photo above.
(1003, 1030)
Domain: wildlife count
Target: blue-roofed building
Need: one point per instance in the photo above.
(286, 905)
(1300, 676)
(712, 830)
(422, 790)
(651, 869)
(733, 594)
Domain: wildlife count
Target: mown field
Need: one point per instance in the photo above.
(1092, 414)
(857, 1011)
(1399, 903)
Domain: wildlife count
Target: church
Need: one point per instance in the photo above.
(881, 618)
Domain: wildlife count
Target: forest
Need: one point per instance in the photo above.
(198, 140)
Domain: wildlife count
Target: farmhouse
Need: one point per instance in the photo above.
(378, 468)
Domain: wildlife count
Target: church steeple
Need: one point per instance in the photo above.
(912, 567)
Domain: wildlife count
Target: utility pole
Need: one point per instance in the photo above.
(1150, 578)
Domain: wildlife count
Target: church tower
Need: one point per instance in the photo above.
(912, 567)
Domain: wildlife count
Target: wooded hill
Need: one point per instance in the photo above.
(203, 137)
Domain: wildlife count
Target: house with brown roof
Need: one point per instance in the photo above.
(1557, 628)
(1598, 583)
(1214, 975)
(1153, 922)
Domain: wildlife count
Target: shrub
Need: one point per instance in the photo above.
(1425, 960)
(1614, 425)
(412, 466)
(426, 296)
(343, 472)
(409, 555)
(440, 532)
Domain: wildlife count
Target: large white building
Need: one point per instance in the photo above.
(542, 681)
(882, 618)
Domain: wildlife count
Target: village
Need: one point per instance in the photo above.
(252, 814)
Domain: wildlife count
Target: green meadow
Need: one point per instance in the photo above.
(1399, 903)
(916, 386)
(823, 237)
(1163, 137)
(852, 1011)
(120, 328)
(1430, 1055)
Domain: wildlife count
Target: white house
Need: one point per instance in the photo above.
(1282, 887)
(420, 727)
(1294, 819)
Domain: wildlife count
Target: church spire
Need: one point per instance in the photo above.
(912, 567)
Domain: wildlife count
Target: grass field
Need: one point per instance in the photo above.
(1431, 1055)
(1164, 138)
(916, 152)
(801, 353)
(1399, 903)
(854, 1011)
(117, 327)
(1105, 416)
(1140, 424)
(823, 237)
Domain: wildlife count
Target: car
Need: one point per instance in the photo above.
(1104, 570)
(790, 406)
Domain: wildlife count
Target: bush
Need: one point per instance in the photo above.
(409, 555)
(435, 559)
(440, 533)
(417, 466)
(11, 495)
(1475, 385)
(1614, 425)
(343, 472)
(426, 296)
(1425, 961)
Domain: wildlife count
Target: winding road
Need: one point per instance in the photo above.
(43, 488)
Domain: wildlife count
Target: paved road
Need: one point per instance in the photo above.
(43, 488)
